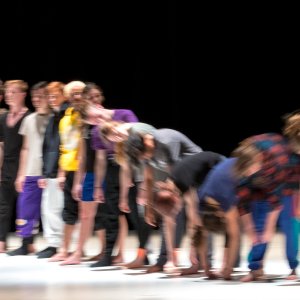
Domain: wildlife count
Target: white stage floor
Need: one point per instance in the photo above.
(26, 277)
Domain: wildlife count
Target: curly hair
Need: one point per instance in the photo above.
(245, 153)
(212, 219)
(292, 126)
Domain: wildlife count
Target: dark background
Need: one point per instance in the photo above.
(217, 74)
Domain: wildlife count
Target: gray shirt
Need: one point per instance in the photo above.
(170, 147)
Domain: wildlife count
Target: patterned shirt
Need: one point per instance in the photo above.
(278, 176)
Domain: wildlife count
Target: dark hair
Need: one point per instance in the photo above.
(198, 236)
(90, 86)
(134, 147)
(1, 88)
(39, 85)
(212, 221)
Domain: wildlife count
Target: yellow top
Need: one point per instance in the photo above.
(69, 132)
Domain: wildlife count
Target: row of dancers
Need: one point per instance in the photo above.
(75, 160)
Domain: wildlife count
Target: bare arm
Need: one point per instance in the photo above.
(199, 241)
(125, 184)
(22, 166)
(148, 181)
(99, 171)
(232, 217)
(79, 174)
(190, 198)
(248, 227)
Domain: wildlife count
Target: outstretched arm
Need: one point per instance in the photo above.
(233, 232)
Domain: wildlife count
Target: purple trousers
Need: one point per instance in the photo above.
(29, 207)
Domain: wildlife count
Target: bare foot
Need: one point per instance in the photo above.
(170, 268)
(31, 248)
(253, 275)
(135, 264)
(58, 257)
(154, 269)
(193, 269)
(2, 247)
(73, 259)
(292, 275)
(118, 259)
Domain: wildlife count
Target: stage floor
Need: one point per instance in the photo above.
(26, 277)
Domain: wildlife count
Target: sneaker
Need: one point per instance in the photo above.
(46, 253)
(103, 262)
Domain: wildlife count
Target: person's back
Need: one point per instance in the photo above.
(178, 144)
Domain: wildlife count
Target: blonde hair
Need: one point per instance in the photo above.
(22, 85)
(292, 126)
(245, 153)
(119, 147)
(291, 130)
(106, 128)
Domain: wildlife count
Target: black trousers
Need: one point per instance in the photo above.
(137, 219)
(111, 214)
(8, 200)
(108, 215)
(70, 211)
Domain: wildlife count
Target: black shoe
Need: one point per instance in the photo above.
(23, 250)
(46, 253)
(146, 261)
(104, 262)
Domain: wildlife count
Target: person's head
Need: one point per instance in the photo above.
(15, 92)
(212, 215)
(39, 97)
(55, 94)
(114, 131)
(73, 92)
(91, 110)
(93, 93)
(167, 198)
(95, 114)
(291, 130)
(248, 159)
(139, 147)
(1, 90)
(134, 148)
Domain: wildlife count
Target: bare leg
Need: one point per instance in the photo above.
(63, 252)
(87, 215)
(2, 247)
(194, 268)
(101, 237)
(169, 229)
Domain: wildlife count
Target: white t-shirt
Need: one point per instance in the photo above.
(33, 127)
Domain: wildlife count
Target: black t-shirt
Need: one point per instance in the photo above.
(191, 170)
(90, 152)
(12, 146)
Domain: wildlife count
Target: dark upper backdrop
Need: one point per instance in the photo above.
(217, 74)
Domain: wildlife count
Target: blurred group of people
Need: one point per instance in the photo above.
(73, 161)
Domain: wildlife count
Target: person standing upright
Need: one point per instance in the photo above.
(10, 147)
